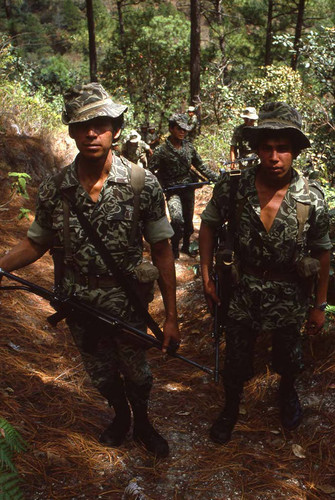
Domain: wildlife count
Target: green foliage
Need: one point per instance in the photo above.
(152, 64)
(18, 187)
(19, 183)
(10, 442)
(56, 74)
(273, 83)
(20, 102)
(317, 63)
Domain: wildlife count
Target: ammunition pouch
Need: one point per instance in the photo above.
(146, 274)
(308, 269)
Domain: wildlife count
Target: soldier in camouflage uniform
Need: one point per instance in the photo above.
(272, 254)
(136, 150)
(193, 123)
(101, 184)
(172, 162)
(240, 147)
(152, 136)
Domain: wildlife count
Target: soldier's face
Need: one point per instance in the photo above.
(178, 132)
(94, 137)
(276, 156)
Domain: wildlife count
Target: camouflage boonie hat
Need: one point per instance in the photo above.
(181, 120)
(84, 102)
(278, 116)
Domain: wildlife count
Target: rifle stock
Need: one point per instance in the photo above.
(66, 306)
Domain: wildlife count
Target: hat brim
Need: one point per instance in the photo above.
(184, 126)
(110, 110)
(253, 133)
(250, 117)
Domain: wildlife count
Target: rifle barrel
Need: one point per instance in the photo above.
(184, 186)
(70, 305)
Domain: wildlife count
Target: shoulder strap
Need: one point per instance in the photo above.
(302, 214)
(232, 219)
(137, 180)
(58, 179)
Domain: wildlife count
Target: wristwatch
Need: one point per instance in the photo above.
(322, 306)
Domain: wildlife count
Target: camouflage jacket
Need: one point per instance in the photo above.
(240, 142)
(270, 304)
(112, 217)
(152, 139)
(173, 166)
(134, 151)
(193, 122)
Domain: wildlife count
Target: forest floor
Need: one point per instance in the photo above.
(47, 396)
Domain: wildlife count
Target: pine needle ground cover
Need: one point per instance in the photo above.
(48, 398)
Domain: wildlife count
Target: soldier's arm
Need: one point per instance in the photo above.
(202, 168)
(24, 253)
(206, 248)
(316, 318)
(162, 258)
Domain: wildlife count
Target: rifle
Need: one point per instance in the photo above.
(195, 185)
(66, 306)
(237, 160)
(223, 269)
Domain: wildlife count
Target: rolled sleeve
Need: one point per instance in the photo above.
(40, 235)
(157, 230)
(211, 215)
(323, 243)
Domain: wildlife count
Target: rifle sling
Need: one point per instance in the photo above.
(231, 227)
(124, 280)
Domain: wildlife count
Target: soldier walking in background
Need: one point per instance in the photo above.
(152, 136)
(136, 150)
(193, 122)
(172, 162)
(101, 187)
(281, 244)
(240, 147)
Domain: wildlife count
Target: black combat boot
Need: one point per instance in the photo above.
(186, 248)
(175, 251)
(289, 404)
(115, 433)
(144, 432)
(223, 426)
(175, 242)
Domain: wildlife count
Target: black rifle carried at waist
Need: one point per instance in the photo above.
(71, 306)
(194, 185)
(224, 269)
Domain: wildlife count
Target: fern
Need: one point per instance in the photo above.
(10, 442)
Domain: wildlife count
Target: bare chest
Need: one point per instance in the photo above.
(270, 202)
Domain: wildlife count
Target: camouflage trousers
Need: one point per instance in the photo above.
(106, 353)
(181, 209)
(287, 351)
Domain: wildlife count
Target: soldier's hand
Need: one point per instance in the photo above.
(210, 295)
(171, 333)
(315, 322)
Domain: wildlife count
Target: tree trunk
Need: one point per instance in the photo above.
(297, 37)
(91, 41)
(222, 40)
(8, 8)
(123, 47)
(195, 55)
(268, 42)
